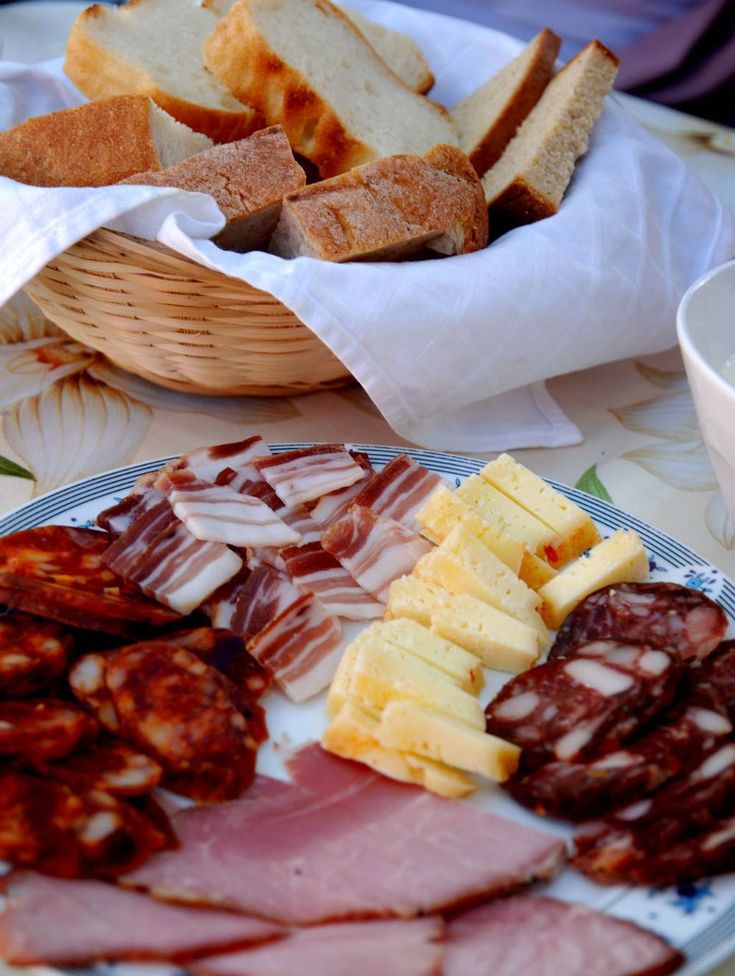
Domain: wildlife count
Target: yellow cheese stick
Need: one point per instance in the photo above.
(534, 571)
(619, 559)
(413, 598)
(457, 664)
(353, 735)
(415, 728)
(507, 516)
(499, 640)
(340, 685)
(577, 530)
(444, 510)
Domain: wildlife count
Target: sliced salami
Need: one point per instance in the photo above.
(111, 766)
(88, 682)
(33, 653)
(677, 619)
(39, 729)
(585, 706)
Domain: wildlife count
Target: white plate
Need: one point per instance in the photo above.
(697, 918)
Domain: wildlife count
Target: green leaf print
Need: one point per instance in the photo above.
(14, 470)
(590, 482)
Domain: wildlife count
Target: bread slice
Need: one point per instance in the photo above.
(488, 118)
(155, 48)
(399, 51)
(531, 177)
(386, 210)
(248, 179)
(303, 64)
(96, 144)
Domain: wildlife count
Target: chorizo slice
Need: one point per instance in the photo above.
(36, 730)
(110, 766)
(88, 682)
(179, 710)
(677, 619)
(33, 653)
(573, 709)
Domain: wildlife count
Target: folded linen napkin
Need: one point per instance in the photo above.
(452, 351)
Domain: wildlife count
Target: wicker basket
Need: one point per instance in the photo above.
(178, 324)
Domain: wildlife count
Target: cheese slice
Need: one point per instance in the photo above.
(499, 640)
(454, 662)
(461, 564)
(353, 734)
(534, 571)
(415, 728)
(444, 510)
(619, 559)
(413, 598)
(339, 688)
(577, 530)
(382, 674)
(507, 516)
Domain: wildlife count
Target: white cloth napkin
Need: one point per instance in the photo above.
(452, 351)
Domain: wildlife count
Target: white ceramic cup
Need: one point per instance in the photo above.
(705, 325)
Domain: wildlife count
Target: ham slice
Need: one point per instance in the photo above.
(399, 490)
(528, 934)
(394, 948)
(375, 550)
(314, 569)
(59, 922)
(352, 845)
(308, 473)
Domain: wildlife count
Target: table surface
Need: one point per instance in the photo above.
(642, 446)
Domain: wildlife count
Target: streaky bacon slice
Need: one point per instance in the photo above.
(206, 463)
(167, 562)
(308, 473)
(264, 596)
(365, 847)
(374, 549)
(302, 647)
(139, 499)
(314, 569)
(399, 490)
(393, 948)
(332, 506)
(86, 921)
(532, 934)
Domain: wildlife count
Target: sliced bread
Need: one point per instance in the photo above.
(248, 180)
(386, 210)
(96, 144)
(156, 48)
(488, 118)
(303, 64)
(399, 51)
(531, 177)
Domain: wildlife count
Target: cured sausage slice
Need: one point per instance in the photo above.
(110, 766)
(88, 682)
(39, 729)
(33, 652)
(180, 710)
(56, 572)
(574, 709)
(677, 619)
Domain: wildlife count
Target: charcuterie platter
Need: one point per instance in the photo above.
(697, 917)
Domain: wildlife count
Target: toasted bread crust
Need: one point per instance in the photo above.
(99, 73)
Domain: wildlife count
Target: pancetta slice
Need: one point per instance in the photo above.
(393, 948)
(332, 506)
(167, 562)
(206, 463)
(308, 473)
(139, 499)
(531, 934)
(85, 921)
(353, 845)
(314, 569)
(374, 549)
(302, 647)
(399, 490)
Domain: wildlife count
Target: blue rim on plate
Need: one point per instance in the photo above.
(698, 918)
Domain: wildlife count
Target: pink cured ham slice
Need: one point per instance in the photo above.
(352, 845)
(314, 569)
(302, 647)
(529, 934)
(303, 475)
(399, 490)
(394, 948)
(168, 563)
(206, 463)
(86, 921)
(332, 506)
(375, 550)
